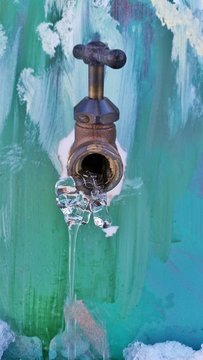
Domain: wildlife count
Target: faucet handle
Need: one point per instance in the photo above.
(98, 53)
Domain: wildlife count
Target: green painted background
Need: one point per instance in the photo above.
(145, 282)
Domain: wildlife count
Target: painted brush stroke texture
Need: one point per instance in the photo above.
(41, 95)
(178, 15)
(186, 26)
(3, 41)
(8, 63)
(50, 4)
(142, 280)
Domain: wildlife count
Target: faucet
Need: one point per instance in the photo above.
(94, 158)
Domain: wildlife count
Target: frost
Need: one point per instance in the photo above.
(169, 350)
(50, 39)
(3, 41)
(26, 87)
(185, 21)
(6, 337)
(176, 16)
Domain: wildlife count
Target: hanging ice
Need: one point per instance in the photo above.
(77, 207)
(72, 203)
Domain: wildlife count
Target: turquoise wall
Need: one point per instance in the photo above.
(145, 282)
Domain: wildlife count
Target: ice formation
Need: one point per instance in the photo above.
(169, 350)
(6, 337)
(78, 207)
(50, 39)
(62, 32)
(18, 347)
(24, 348)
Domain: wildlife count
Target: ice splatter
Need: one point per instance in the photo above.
(3, 41)
(176, 16)
(186, 24)
(169, 350)
(60, 33)
(50, 39)
(58, 4)
(25, 348)
(14, 346)
(66, 32)
(110, 231)
(6, 337)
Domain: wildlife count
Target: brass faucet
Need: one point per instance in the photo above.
(94, 152)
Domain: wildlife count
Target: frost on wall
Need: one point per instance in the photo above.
(50, 39)
(41, 95)
(185, 22)
(170, 350)
(8, 61)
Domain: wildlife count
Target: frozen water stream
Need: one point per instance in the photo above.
(77, 207)
(82, 338)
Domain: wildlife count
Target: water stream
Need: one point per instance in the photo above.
(83, 338)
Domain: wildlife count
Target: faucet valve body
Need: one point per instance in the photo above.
(94, 150)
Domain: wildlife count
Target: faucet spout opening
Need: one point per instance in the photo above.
(97, 166)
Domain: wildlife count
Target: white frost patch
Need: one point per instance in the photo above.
(47, 103)
(62, 32)
(50, 39)
(110, 231)
(6, 337)
(170, 350)
(64, 27)
(3, 41)
(176, 16)
(186, 24)
(70, 28)
(26, 87)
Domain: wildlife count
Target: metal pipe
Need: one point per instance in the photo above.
(96, 81)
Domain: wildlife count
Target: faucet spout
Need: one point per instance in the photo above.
(94, 153)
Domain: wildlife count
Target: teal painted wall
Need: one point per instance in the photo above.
(145, 282)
